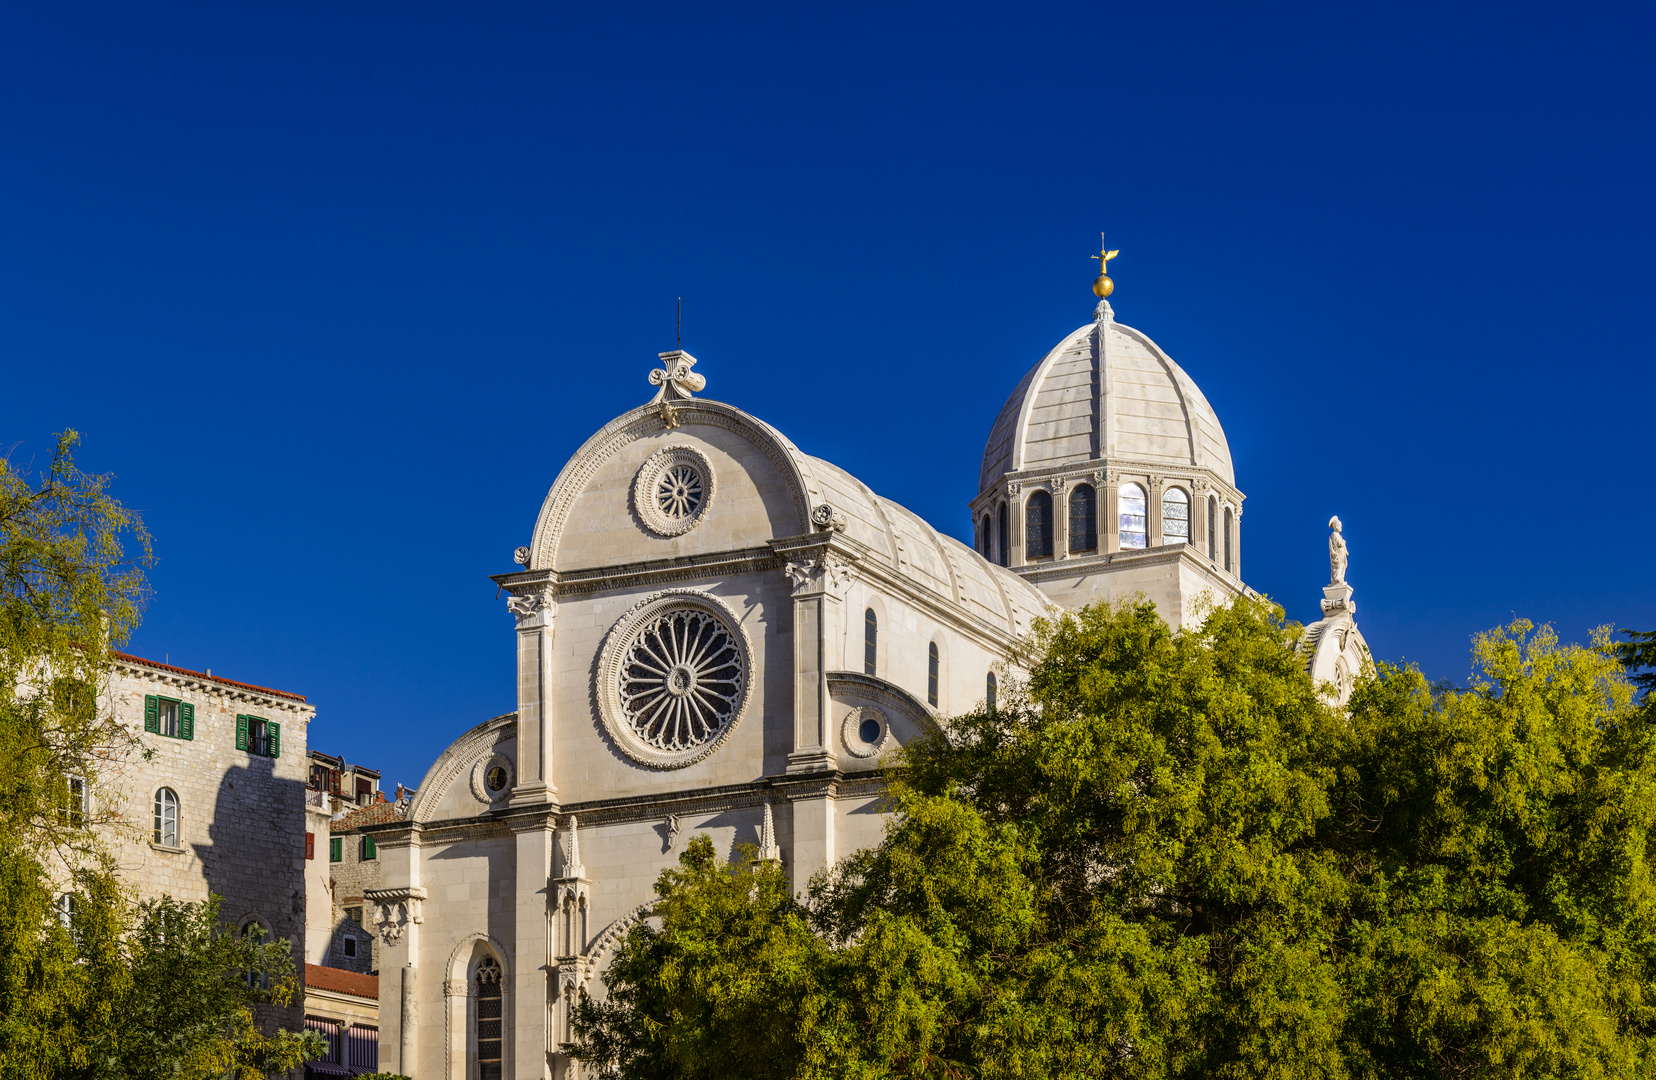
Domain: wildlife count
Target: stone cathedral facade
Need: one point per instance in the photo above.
(717, 633)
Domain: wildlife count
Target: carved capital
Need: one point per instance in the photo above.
(1013, 487)
(531, 608)
(827, 571)
(1057, 484)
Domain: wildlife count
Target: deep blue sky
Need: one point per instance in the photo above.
(335, 290)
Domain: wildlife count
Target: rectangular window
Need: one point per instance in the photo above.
(72, 801)
(354, 914)
(364, 792)
(368, 849)
(349, 945)
(336, 850)
(169, 717)
(259, 736)
(310, 845)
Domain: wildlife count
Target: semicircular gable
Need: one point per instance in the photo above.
(648, 421)
(454, 765)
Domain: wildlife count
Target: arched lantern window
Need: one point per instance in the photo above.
(932, 670)
(1004, 537)
(1133, 516)
(1228, 540)
(1175, 516)
(1038, 526)
(990, 694)
(1083, 519)
(1213, 512)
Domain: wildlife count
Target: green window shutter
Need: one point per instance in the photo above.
(368, 849)
(186, 720)
(273, 738)
(152, 713)
(241, 732)
(336, 850)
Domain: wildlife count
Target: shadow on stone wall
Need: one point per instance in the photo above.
(256, 860)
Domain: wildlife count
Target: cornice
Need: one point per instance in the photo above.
(1166, 553)
(230, 691)
(1100, 471)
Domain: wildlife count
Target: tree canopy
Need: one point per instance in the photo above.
(1167, 855)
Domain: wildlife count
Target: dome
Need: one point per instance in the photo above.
(1137, 405)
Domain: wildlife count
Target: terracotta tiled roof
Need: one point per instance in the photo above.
(202, 675)
(372, 814)
(354, 983)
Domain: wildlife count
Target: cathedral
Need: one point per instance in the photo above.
(719, 634)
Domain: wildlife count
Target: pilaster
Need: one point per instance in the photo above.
(819, 570)
(534, 608)
(529, 1039)
(397, 914)
(1016, 523)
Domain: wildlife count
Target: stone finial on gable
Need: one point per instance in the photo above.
(675, 378)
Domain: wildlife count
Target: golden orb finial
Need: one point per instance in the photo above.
(1102, 285)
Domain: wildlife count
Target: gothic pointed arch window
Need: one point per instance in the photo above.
(1133, 517)
(933, 664)
(1038, 526)
(1083, 519)
(1175, 516)
(1228, 540)
(1213, 512)
(1003, 536)
(490, 1018)
(871, 642)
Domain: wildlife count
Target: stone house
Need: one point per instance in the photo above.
(219, 803)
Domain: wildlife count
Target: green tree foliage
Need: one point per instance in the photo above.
(68, 593)
(188, 1013)
(1638, 656)
(90, 984)
(1165, 855)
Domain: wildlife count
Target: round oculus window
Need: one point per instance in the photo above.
(672, 491)
(676, 672)
(495, 779)
(864, 731)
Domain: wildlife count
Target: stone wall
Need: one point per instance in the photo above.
(241, 816)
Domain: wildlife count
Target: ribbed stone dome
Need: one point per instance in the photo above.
(1134, 405)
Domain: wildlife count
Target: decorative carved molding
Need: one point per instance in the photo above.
(669, 416)
(827, 518)
(394, 910)
(525, 606)
(831, 570)
(520, 556)
(672, 491)
(673, 829)
(675, 378)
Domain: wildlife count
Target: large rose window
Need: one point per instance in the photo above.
(675, 670)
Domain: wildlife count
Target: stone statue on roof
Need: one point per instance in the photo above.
(1337, 555)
